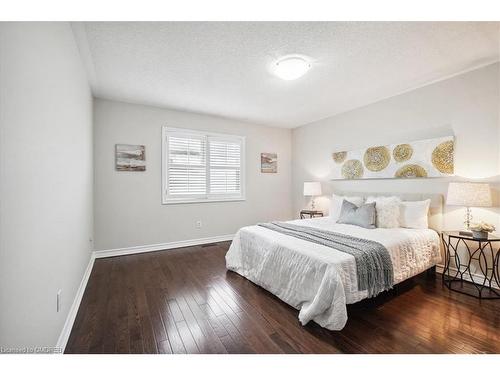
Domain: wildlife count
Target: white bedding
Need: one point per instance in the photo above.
(318, 280)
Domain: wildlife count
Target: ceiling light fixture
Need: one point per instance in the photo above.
(291, 67)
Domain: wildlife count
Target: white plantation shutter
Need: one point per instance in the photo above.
(225, 166)
(201, 166)
(187, 172)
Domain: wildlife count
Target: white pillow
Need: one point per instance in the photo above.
(414, 214)
(387, 211)
(336, 205)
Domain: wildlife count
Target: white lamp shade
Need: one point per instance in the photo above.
(469, 194)
(312, 188)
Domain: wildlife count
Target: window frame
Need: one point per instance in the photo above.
(205, 198)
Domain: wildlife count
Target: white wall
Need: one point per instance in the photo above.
(45, 180)
(466, 106)
(128, 209)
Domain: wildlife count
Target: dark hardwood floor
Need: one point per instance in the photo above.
(184, 301)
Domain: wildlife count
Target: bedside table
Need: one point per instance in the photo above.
(311, 214)
(487, 267)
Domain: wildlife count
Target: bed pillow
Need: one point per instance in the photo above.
(414, 214)
(362, 216)
(336, 204)
(388, 211)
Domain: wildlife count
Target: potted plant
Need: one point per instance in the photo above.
(480, 230)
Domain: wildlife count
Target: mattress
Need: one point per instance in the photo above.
(317, 280)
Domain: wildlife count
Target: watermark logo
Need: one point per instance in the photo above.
(31, 350)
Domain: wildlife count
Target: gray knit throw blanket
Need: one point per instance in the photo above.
(373, 262)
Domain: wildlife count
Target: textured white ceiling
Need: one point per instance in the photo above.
(223, 68)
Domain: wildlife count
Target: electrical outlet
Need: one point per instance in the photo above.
(58, 300)
(198, 224)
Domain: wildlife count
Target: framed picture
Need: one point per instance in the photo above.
(418, 159)
(130, 158)
(268, 162)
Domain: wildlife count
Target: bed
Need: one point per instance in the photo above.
(319, 280)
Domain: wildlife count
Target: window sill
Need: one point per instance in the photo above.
(211, 200)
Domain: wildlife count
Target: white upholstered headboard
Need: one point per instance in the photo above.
(435, 209)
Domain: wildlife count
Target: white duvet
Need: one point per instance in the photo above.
(318, 280)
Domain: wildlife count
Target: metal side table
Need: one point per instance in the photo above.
(487, 272)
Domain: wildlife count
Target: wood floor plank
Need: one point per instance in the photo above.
(176, 311)
(174, 337)
(152, 297)
(213, 342)
(187, 337)
(164, 347)
(185, 301)
(96, 344)
(202, 342)
(134, 326)
(112, 322)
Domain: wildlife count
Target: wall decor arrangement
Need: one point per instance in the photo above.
(130, 158)
(268, 162)
(418, 159)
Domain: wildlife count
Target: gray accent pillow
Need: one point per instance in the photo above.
(362, 216)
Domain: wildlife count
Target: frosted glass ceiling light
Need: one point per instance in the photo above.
(292, 67)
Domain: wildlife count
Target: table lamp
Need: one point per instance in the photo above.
(312, 189)
(468, 194)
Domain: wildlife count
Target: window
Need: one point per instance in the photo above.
(202, 167)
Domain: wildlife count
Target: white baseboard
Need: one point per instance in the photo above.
(70, 319)
(160, 246)
(478, 278)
